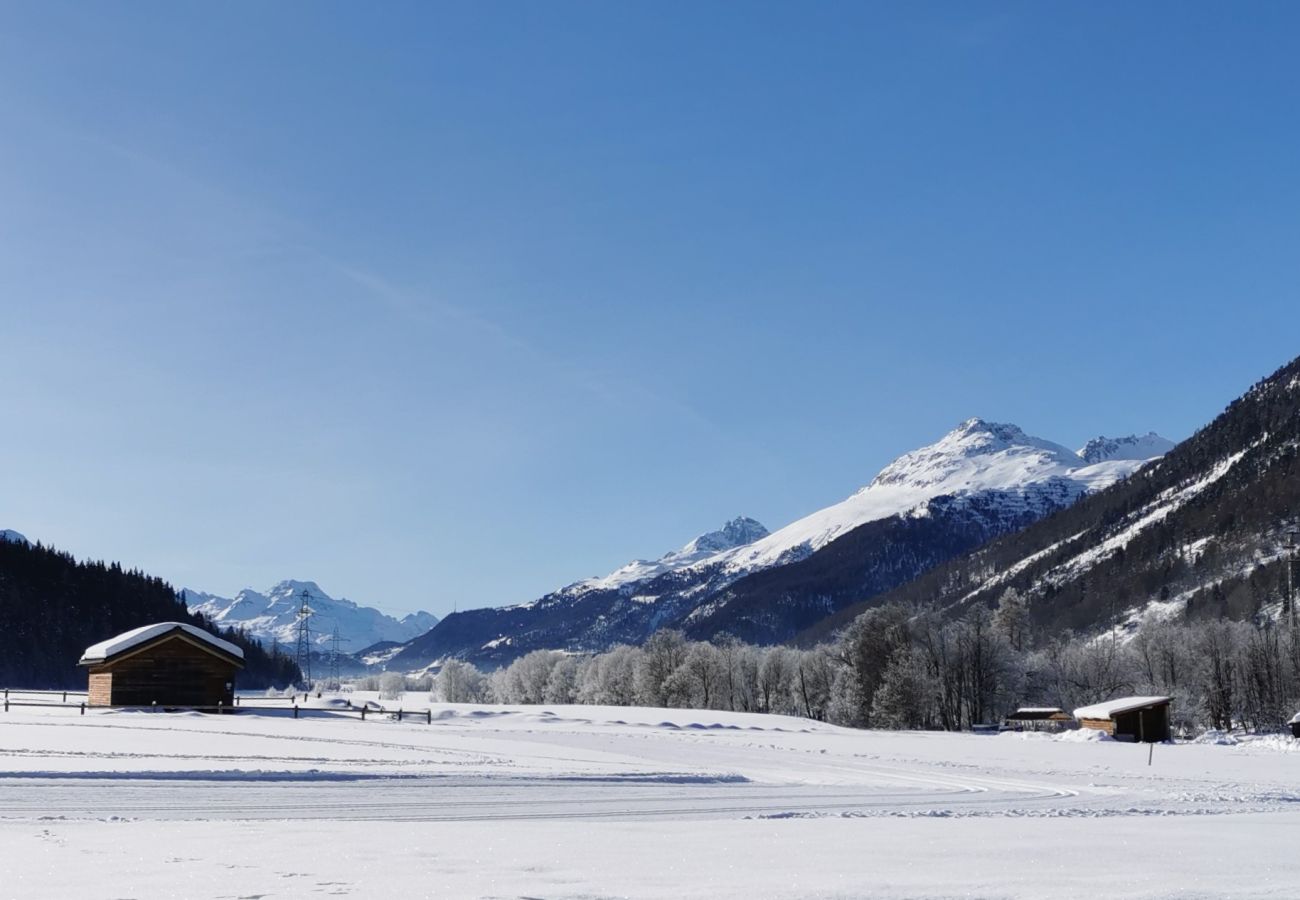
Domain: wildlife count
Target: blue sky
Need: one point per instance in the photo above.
(454, 304)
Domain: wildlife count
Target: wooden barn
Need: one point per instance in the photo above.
(1038, 718)
(1144, 719)
(169, 664)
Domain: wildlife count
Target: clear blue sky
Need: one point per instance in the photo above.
(442, 304)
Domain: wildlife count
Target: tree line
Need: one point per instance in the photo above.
(906, 667)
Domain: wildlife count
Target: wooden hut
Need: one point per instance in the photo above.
(169, 664)
(1038, 718)
(1144, 719)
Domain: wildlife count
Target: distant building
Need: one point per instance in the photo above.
(1039, 718)
(168, 664)
(1144, 719)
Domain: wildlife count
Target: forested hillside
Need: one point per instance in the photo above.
(53, 607)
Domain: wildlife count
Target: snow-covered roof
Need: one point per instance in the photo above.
(1037, 712)
(136, 636)
(1113, 708)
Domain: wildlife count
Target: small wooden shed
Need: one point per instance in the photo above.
(168, 664)
(1144, 719)
(1039, 718)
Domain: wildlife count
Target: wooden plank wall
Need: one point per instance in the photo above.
(173, 673)
(101, 689)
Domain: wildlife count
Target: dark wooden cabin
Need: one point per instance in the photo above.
(169, 664)
(1038, 718)
(1144, 719)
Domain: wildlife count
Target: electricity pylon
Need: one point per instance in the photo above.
(303, 656)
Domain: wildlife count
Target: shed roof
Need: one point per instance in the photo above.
(1112, 708)
(129, 640)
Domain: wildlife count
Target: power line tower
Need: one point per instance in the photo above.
(335, 640)
(303, 655)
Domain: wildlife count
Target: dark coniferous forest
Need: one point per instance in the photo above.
(53, 607)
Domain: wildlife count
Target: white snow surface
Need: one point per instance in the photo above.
(136, 636)
(273, 616)
(582, 802)
(1115, 707)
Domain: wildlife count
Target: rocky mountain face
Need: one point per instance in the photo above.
(977, 482)
(273, 616)
(1202, 532)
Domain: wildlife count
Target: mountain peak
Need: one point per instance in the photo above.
(738, 532)
(974, 448)
(1132, 447)
(1002, 431)
(12, 536)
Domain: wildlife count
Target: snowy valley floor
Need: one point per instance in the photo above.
(579, 802)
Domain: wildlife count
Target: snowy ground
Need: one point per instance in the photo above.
(578, 801)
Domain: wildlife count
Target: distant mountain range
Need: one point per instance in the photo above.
(273, 616)
(977, 482)
(1094, 539)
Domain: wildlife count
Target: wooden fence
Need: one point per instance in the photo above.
(241, 704)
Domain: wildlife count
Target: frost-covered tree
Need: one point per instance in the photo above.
(459, 682)
(700, 681)
(661, 654)
(1011, 619)
(391, 685)
(525, 679)
(772, 680)
(562, 683)
(610, 678)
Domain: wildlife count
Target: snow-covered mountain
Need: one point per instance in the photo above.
(12, 536)
(978, 481)
(1206, 531)
(1149, 445)
(273, 616)
(737, 533)
(1031, 475)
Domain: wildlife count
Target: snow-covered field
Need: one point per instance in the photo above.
(580, 801)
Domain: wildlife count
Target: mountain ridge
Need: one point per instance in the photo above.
(273, 616)
(978, 481)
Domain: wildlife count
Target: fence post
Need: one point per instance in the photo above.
(295, 710)
(65, 696)
(83, 709)
(429, 715)
(6, 701)
(399, 714)
(363, 711)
